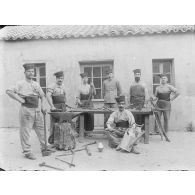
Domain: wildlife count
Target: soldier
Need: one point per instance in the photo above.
(84, 100)
(27, 92)
(123, 119)
(164, 99)
(111, 89)
(56, 96)
(138, 95)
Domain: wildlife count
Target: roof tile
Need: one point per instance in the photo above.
(83, 31)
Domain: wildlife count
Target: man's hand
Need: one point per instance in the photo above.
(109, 127)
(92, 85)
(43, 109)
(53, 108)
(78, 102)
(153, 98)
(22, 101)
(134, 125)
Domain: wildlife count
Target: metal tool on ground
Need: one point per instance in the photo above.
(159, 124)
(92, 143)
(78, 150)
(69, 163)
(43, 164)
(84, 147)
(45, 151)
(88, 151)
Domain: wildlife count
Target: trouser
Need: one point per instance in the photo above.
(88, 117)
(165, 109)
(115, 136)
(107, 115)
(139, 120)
(30, 118)
(166, 117)
(88, 122)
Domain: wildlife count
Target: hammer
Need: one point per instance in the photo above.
(85, 147)
(43, 164)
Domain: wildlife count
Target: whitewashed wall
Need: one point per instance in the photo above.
(127, 52)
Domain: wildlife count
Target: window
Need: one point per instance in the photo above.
(160, 66)
(96, 71)
(40, 75)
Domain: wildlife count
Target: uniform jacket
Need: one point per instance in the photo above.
(111, 89)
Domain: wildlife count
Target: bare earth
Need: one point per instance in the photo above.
(157, 155)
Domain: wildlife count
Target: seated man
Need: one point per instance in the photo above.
(123, 119)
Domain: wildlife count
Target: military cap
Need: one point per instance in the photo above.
(84, 74)
(137, 71)
(120, 99)
(59, 74)
(28, 66)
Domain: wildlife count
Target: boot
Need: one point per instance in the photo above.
(30, 156)
(134, 150)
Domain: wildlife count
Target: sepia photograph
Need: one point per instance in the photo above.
(97, 97)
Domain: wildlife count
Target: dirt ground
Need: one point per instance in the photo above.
(157, 155)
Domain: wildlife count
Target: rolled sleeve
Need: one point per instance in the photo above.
(50, 89)
(111, 119)
(15, 88)
(172, 89)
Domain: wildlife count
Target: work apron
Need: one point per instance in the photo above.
(137, 98)
(31, 101)
(163, 102)
(59, 102)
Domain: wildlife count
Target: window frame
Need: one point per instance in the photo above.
(172, 72)
(37, 67)
(93, 64)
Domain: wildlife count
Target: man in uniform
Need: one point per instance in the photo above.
(27, 92)
(56, 94)
(122, 119)
(111, 89)
(138, 95)
(163, 96)
(84, 100)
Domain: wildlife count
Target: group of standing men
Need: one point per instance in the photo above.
(28, 92)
